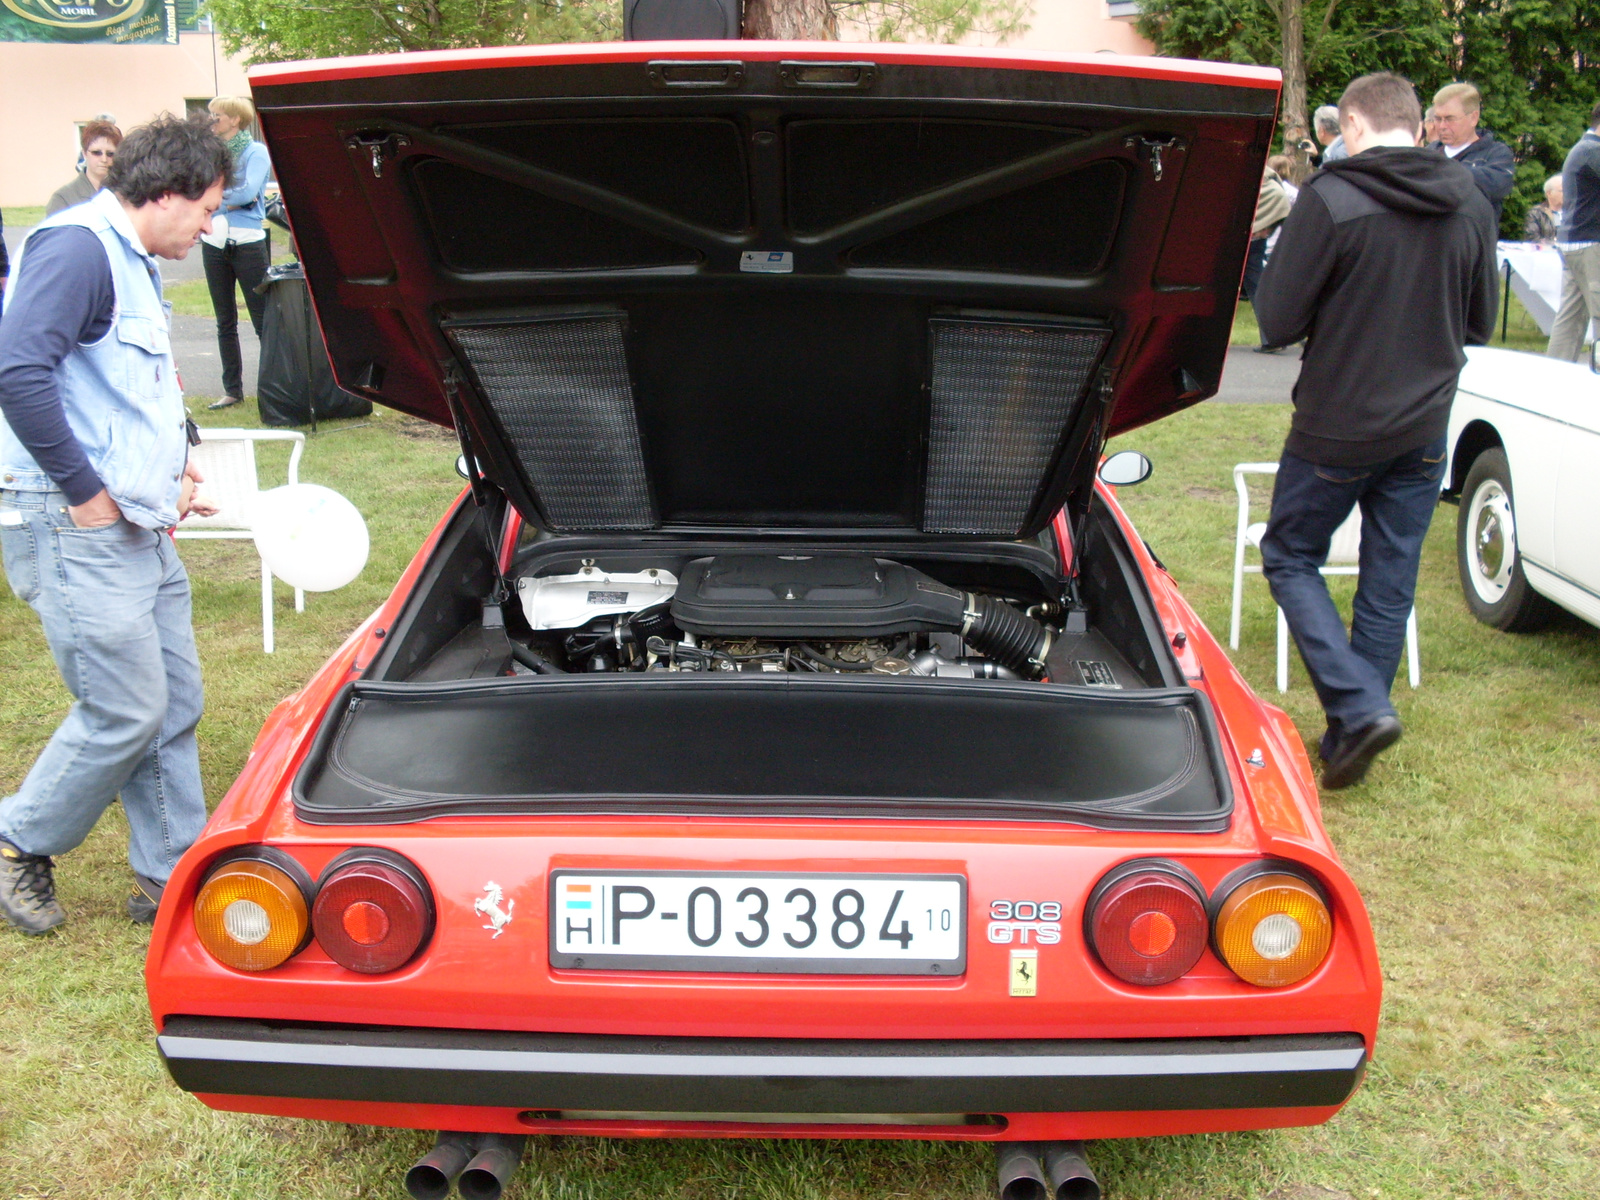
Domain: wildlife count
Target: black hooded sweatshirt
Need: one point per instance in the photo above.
(1386, 266)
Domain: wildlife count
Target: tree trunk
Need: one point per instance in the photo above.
(1292, 110)
(789, 20)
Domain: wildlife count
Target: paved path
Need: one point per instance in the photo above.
(1251, 378)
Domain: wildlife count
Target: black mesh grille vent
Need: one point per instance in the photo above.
(1003, 393)
(563, 396)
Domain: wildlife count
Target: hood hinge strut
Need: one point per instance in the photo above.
(500, 593)
(1079, 499)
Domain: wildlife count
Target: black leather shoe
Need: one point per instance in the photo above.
(1354, 750)
(225, 402)
(144, 900)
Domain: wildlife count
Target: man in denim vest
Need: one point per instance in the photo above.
(93, 473)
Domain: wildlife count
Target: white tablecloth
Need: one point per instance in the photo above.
(1535, 278)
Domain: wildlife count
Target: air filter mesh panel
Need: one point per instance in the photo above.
(562, 393)
(1003, 394)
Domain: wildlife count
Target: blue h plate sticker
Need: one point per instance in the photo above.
(767, 262)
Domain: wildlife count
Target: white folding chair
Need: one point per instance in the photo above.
(226, 458)
(1344, 557)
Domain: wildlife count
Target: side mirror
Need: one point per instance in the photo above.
(461, 466)
(1125, 468)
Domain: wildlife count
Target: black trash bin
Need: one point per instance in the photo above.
(297, 386)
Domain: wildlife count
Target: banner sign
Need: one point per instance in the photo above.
(90, 22)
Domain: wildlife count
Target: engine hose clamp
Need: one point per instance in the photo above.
(1044, 651)
(969, 614)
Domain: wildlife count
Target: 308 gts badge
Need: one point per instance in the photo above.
(1025, 922)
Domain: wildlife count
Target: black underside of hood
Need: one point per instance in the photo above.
(745, 286)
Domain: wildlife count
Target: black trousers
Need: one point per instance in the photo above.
(238, 264)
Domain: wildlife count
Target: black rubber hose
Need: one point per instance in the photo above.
(817, 656)
(534, 661)
(1007, 635)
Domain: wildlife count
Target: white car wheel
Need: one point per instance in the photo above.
(1492, 528)
(1492, 579)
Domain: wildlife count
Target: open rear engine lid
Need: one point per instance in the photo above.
(775, 286)
(767, 746)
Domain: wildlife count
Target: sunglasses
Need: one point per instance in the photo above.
(101, 153)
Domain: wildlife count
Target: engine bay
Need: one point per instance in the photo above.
(770, 613)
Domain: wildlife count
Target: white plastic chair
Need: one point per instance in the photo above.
(226, 458)
(1344, 557)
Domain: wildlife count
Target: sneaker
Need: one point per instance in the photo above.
(28, 891)
(1355, 749)
(225, 402)
(145, 899)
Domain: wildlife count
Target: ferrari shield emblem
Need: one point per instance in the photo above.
(1024, 972)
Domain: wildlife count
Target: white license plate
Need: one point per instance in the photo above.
(758, 922)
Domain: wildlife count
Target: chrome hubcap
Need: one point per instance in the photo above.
(1494, 541)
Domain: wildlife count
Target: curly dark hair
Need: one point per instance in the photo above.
(169, 154)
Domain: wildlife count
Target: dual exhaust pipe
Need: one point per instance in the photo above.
(479, 1164)
(1044, 1171)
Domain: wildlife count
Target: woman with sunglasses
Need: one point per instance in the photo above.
(100, 140)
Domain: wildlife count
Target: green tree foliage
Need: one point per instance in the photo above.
(933, 20)
(1537, 62)
(276, 30)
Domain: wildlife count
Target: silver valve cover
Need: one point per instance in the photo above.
(569, 601)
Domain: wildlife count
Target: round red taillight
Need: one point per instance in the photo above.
(1147, 923)
(373, 911)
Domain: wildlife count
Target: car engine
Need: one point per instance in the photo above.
(765, 613)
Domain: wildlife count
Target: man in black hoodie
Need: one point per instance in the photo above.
(1386, 267)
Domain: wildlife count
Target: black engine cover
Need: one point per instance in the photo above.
(811, 596)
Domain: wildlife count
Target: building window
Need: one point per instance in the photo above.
(1123, 8)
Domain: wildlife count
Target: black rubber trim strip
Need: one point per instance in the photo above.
(387, 803)
(642, 1074)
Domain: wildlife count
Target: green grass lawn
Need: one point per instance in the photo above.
(23, 217)
(1474, 841)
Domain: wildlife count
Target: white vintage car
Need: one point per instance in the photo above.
(1525, 464)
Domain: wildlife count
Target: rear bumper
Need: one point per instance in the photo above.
(736, 1075)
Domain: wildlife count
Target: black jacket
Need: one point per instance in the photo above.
(1492, 166)
(1386, 267)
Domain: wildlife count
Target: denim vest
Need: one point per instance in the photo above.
(121, 394)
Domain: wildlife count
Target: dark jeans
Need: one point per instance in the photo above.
(1254, 264)
(1397, 498)
(241, 264)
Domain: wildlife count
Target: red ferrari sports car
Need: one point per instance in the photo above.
(786, 734)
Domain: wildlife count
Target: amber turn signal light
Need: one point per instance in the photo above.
(1272, 928)
(252, 912)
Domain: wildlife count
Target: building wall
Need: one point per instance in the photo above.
(47, 90)
(1082, 27)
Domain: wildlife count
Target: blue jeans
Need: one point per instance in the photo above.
(1351, 673)
(114, 603)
